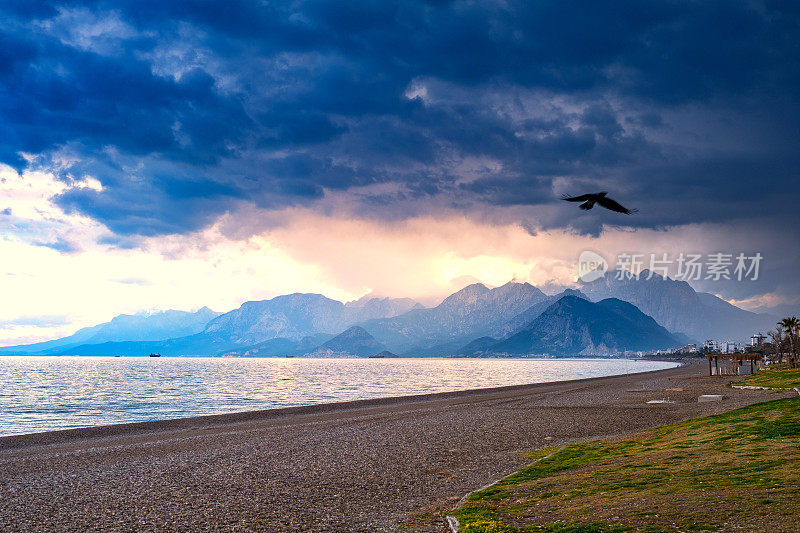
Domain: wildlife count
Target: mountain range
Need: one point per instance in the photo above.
(601, 317)
(295, 316)
(473, 311)
(354, 341)
(156, 326)
(679, 308)
(575, 326)
(284, 325)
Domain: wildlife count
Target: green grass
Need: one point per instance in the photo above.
(777, 378)
(739, 469)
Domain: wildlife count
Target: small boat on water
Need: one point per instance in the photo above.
(383, 354)
(155, 354)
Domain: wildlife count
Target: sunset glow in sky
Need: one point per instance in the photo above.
(174, 155)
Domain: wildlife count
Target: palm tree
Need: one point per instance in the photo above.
(796, 328)
(791, 325)
(778, 342)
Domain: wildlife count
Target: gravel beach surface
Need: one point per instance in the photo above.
(376, 465)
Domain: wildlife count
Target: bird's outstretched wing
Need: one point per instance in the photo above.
(608, 203)
(581, 198)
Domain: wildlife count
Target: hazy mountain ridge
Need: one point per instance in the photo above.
(298, 315)
(679, 308)
(139, 327)
(524, 318)
(471, 312)
(292, 316)
(296, 322)
(198, 344)
(354, 341)
(370, 307)
(279, 346)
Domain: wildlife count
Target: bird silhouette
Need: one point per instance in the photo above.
(600, 199)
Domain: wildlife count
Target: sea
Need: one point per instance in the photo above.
(41, 393)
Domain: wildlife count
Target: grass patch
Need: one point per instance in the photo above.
(497, 526)
(776, 378)
(740, 469)
(535, 455)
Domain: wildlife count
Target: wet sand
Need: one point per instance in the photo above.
(373, 465)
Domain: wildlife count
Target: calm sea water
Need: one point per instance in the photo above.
(47, 393)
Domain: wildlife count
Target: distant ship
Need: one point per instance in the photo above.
(155, 355)
(385, 353)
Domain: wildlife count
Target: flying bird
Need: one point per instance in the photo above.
(601, 199)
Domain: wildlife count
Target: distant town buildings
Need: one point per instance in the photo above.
(711, 345)
(758, 339)
(730, 347)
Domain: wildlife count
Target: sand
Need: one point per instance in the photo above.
(390, 464)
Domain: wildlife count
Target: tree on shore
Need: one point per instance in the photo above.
(791, 326)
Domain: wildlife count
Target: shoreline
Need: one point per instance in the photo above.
(369, 465)
(109, 430)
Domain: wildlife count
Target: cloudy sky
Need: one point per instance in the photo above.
(174, 154)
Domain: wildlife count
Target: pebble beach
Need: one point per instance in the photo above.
(391, 464)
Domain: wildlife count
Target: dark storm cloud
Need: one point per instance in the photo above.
(184, 109)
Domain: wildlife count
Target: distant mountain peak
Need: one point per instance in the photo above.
(355, 340)
(366, 299)
(539, 304)
(467, 295)
(478, 288)
(303, 296)
(474, 293)
(372, 300)
(616, 302)
(572, 292)
(569, 300)
(513, 283)
(354, 332)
